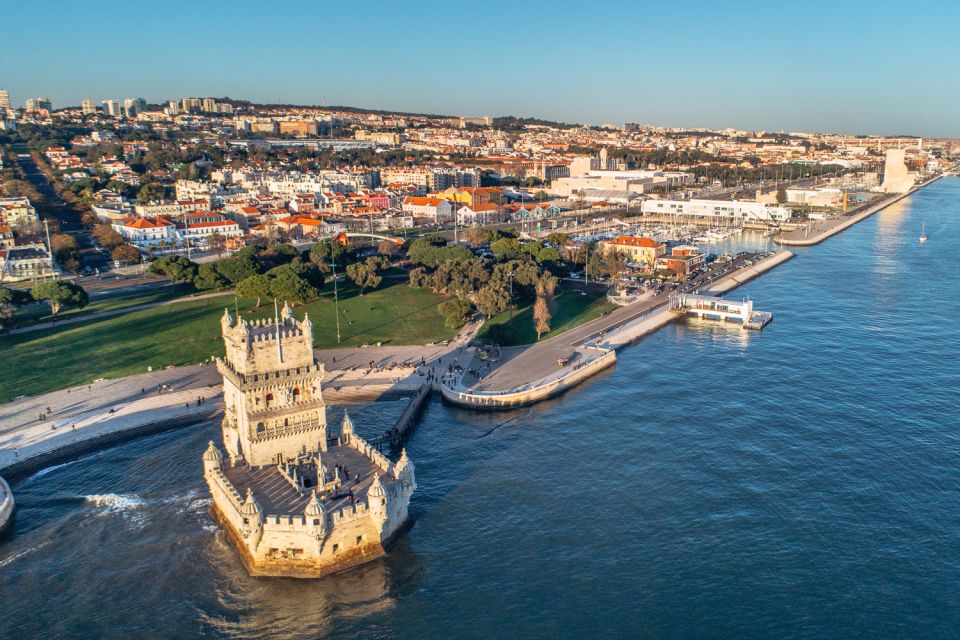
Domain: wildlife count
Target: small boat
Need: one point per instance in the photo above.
(923, 233)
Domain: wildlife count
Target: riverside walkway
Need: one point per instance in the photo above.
(533, 373)
(818, 231)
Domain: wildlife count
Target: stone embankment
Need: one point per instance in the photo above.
(600, 352)
(565, 378)
(834, 227)
(40, 443)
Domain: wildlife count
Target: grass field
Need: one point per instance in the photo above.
(572, 309)
(40, 312)
(189, 332)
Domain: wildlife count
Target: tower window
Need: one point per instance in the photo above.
(296, 392)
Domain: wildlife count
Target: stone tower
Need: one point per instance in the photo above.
(274, 407)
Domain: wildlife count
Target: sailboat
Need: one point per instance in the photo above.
(923, 232)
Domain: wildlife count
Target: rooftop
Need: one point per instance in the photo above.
(277, 496)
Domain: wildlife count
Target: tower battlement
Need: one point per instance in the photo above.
(259, 346)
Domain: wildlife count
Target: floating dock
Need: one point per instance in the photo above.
(716, 308)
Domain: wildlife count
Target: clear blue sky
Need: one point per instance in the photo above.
(849, 66)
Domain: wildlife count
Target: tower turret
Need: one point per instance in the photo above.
(250, 506)
(403, 469)
(212, 458)
(226, 322)
(346, 427)
(377, 500)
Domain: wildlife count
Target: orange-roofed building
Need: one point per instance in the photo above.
(146, 232)
(637, 249)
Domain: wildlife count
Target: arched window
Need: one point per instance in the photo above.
(296, 392)
(269, 399)
(261, 427)
(286, 422)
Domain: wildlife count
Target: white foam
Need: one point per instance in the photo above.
(115, 503)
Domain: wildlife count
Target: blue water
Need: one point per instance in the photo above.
(802, 482)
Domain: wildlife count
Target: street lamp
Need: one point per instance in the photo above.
(336, 299)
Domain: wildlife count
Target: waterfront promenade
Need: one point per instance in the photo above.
(42, 430)
(531, 374)
(818, 231)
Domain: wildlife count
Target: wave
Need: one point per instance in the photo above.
(115, 503)
(13, 557)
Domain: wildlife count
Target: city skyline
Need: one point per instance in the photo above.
(730, 67)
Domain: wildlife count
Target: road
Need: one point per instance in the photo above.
(91, 254)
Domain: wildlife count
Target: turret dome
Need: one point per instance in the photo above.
(249, 506)
(314, 508)
(212, 453)
(376, 489)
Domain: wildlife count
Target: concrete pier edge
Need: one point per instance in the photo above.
(72, 450)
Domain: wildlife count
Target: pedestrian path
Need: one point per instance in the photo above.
(46, 436)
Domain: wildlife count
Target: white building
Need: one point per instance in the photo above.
(111, 108)
(89, 107)
(725, 209)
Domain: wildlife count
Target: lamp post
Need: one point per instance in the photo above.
(336, 299)
(511, 296)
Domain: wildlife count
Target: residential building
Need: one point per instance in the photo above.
(436, 210)
(18, 214)
(682, 260)
(112, 108)
(38, 104)
(5, 99)
(89, 107)
(636, 249)
(26, 263)
(147, 232)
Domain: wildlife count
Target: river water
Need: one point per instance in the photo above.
(802, 482)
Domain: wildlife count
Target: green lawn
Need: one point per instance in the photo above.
(189, 332)
(37, 313)
(572, 309)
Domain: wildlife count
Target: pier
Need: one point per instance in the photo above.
(716, 308)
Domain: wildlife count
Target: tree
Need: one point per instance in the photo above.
(541, 315)
(238, 267)
(7, 307)
(388, 248)
(255, 286)
(288, 282)
(419, 277)
(454, 312)
(615, 263)
(217, 242)
(493, 299)
(125, 253)
(63, 245)
(363, 275)
(558, 239)
(781, 195)
(208, 278)
(106, 236)
(177, 268)
(506, 248)
(548, 255)
(475, 236)
(58, 294)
